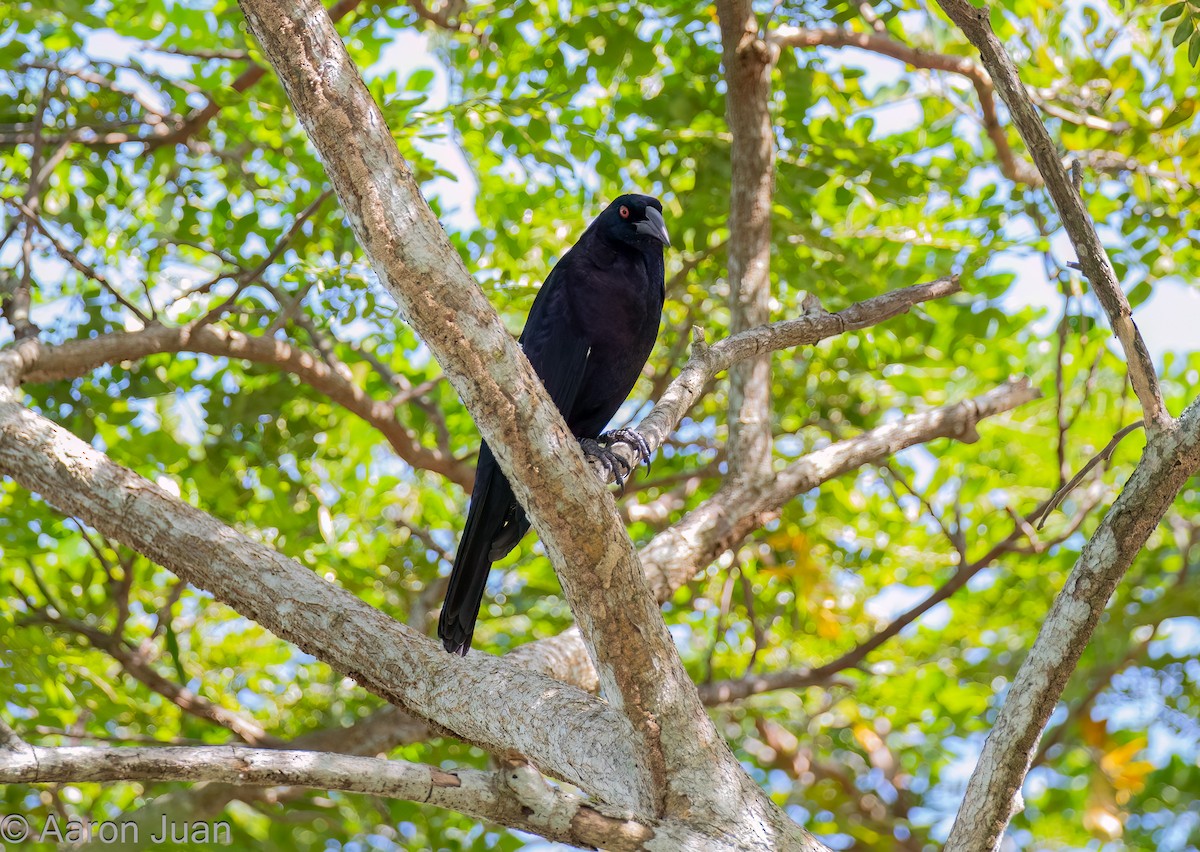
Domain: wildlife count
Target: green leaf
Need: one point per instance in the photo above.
(1171, 12)
(1186, 28)
(1139, 294)
(419, 80)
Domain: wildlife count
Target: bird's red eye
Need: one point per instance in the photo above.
(624, 211)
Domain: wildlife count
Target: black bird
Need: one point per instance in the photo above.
(588, 335)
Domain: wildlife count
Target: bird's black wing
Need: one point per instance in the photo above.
(553, 341)
(558, 351)
(495, 524)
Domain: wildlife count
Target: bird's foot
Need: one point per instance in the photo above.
(616, 466)
(600, 448)
(630, 437)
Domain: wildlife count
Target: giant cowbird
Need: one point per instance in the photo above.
(588, 335)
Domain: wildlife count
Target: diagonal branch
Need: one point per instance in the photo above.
(812, 327)
(47, 363)
(673, 557)
(1093, 259)
(602, 579)
(1171, 458)
(736, 511)
(485, 701)
(735, 690)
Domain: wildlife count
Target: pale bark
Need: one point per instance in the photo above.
(674, 556)
(373, 736)
(1172, 456)
(482, 701)
(684, 766)
(517, 797)
(811, 327)
(1093, 259)
(748, 62)
(683, 393)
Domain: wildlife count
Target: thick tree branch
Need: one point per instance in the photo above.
(812, 327)
(375, 735)
(1015, 170)
(1172, 456)
(485, 701)
(47, 363)
(674, 556)
(1093, 259)
(516, 797)
(564, 657)
(574, 515)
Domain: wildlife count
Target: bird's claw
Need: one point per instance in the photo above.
(616, 466)
(600, 448)
(630, 437)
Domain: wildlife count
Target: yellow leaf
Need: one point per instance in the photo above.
(1117, 759)
(828, 627)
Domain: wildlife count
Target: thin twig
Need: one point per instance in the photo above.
(1104, 455)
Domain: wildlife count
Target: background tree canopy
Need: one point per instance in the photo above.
(163, 204)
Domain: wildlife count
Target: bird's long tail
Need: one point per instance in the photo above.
(491, 503)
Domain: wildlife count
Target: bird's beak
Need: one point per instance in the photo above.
(654, 226)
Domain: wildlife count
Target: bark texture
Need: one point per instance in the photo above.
(483, 701)
(1093, 259)
(1171, 458)
(748, 61)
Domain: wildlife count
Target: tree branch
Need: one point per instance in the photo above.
(1012, 168)
(516, 797)
(812, 327)
(748, 62)
(1172, 456)
(673, 556)
(736, 690)
(385, 729)
(574, 515)
(507, 708)
(48, 363)
(1093, 259)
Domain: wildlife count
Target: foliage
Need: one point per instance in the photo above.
(885, 179)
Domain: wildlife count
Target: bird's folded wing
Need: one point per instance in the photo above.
(554, 346)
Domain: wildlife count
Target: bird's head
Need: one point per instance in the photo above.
(636, 220)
